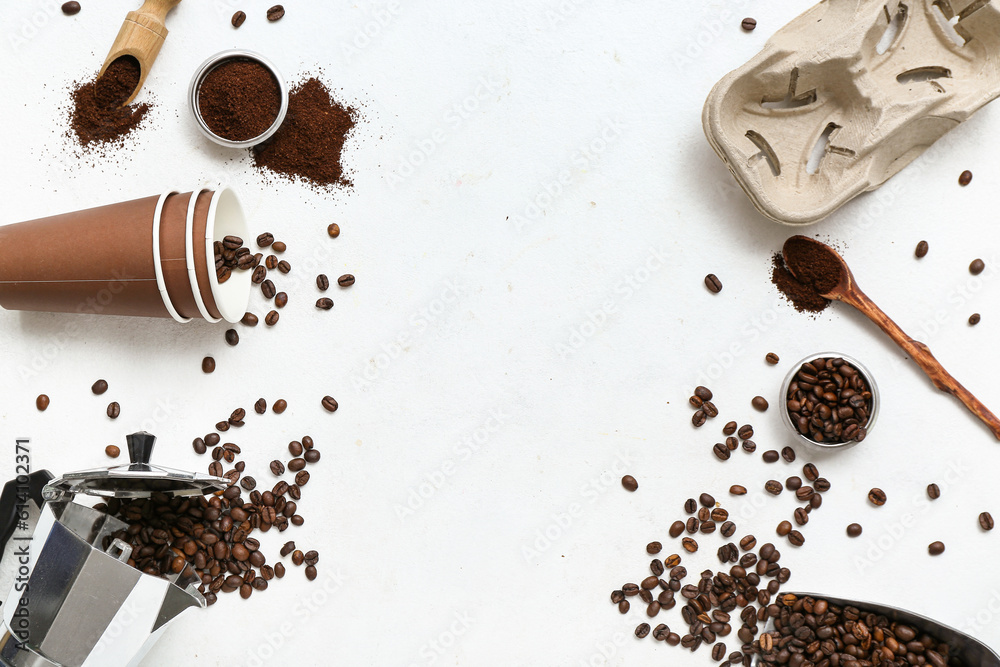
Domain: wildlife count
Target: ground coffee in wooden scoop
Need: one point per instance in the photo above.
(97, 116)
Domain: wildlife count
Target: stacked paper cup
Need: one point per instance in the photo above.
(150, 257)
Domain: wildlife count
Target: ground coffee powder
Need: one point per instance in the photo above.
(97, 116)
(239, 99)
(804, 297)
(812, 264)
(308, 145)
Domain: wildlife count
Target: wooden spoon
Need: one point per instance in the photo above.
(141, 37)
(848, 292)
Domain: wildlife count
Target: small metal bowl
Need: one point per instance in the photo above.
(865, 373)
(212, 63)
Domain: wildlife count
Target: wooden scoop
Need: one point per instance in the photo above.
(141, 37)
(847, 291)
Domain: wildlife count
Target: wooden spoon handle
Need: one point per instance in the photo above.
(158, 9)
(921, 354)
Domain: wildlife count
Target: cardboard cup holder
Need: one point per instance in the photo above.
(849, 93)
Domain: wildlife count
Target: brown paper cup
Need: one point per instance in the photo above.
(144, 257)
(95, 261)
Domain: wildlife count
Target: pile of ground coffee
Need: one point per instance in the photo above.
(97, 115)
(239, 99)
(308, 145)
(813, 263)
(804, 297)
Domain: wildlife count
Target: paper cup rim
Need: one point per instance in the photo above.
(229, 310)
(189, 256)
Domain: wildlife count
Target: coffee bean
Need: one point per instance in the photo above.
(788, 454)
(99, 387)
(280, 300)
(877, 497)
(745, 432)
(695, 401)
(653, 548)
(749, 446)
(771, 358)
(271, 318)
(759, 403)
(986, 521)
(773, 487)
(748, 543)
(935, 548)
(267, 289)
(689, 545)
(704, 514)
(623, 606)
(71, 8)
(114, 410)
(237, 21)
(921, 250)
(810, 471)
(854, 530)
(329, 404)
(965, 178)
(706, 500)
(279, 570)
(322, 282)
(222, 426)
(258, 276)
(699, 418)
(284, 266)
(232, 337)
(933, 491)
(704, 393)
(275, 13)
(296, 465)
(277, 467)
(796, 539)
(232, 242)
(974, 319)
(236, 419)
(279, 246)
(223, 274)
(302, 478)
(729, 428)
(721, 451)
(199, 446)
(260, 407)
(793, 483)
(676, 528)
(690, 505)
(801, 516)
(248, 483)
(748, 24)
(737, 490)
(324, 303)
(279, 406)
(771, 456)
(718, 651)
(629, 483)
(42, 402)
(114, 451)
(976, 267)
(642, 630)
(212, 439)
(713, 283)
(710, 410)
(271, 262)
(345, 280)
(207, 365)
(312, 456)
(215, 469)
(267, 238)
(333, 229)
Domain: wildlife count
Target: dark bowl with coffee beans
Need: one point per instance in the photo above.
(830, 401)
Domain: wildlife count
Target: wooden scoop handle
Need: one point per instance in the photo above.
(156, 10)
(921, 354)
(141, 37)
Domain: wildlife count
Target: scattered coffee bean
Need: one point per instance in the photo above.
(759, 403)
(324, 303)
(277, 467)
(322, 282)
(199, 446)
(689, 545)
(329, 404)
(796, 539)
(249, 319)
(771, 456)
(284, 266)
(42, 402)
(801, 516)
(810, 471)
(275, 13)
(974, 319)
(706, 500)
(345, 280)
(986, 521)
(279, 246)
(771, 358)
(749, 446)
(921, 250)
(699, 418)
(690, 505)
(71, 8)
(854, 530)
(642, 630)
(312, 456)
(113, 451)
(248, 483)
(933, 491)
(333, 229)
(713, 283)
(280, 300)
(629, 483)
(788, 454)
(721, 451)
(260, 407)
(279, 406)
(877, 497)
(676, 528)
(653, 548)
(729, 428)
(99, 387)
(271, 263)
(232, 338)
(793, 483)
(704, 393)
(271, 318)
(748, 24)
(936, 549)
(737, 490)
(784, 528)
(965, 178)
(976, 267)
(114, 410)
(237, 21)
(207, 365)
(745, 432)
(773, 487)
(279, 570)
(258, 276)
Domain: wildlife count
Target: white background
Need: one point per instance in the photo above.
(461, 315)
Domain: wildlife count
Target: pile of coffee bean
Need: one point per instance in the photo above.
(813, 631)
(231, 255)
(829, 401)
(701, 401)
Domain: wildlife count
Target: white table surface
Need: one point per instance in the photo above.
(511, 347)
